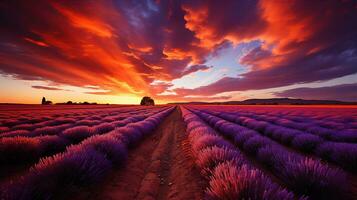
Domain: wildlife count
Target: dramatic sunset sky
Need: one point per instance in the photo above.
(118, 51)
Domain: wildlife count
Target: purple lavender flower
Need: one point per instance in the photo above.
(230, 182)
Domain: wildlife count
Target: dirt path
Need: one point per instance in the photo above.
(159, 168)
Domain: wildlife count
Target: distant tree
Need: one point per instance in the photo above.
(147, 101)
(69, 102)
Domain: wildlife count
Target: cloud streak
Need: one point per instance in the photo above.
(45, 87)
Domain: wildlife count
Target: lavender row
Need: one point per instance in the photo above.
(41, 112)
(309, 125)
(342, 154)
(229, 174)
(40, 119)
(305, 176)
(336, 119)
(80, 165)
(56, 126)
(344, 135)
(35, 129)
(22, 150)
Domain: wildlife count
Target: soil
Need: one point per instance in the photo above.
(160, 167)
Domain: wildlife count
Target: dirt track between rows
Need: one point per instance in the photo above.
(160, 167)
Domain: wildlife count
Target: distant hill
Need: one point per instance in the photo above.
(274, 101)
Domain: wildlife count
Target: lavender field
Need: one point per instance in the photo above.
(272, 152)
(218, 152)
(64, 149)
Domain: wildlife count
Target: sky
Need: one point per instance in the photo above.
(117, 51)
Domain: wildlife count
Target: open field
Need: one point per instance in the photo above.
(178, 152)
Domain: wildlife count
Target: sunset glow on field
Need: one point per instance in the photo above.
(178, 99)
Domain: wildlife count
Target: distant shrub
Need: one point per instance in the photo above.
(147, 101)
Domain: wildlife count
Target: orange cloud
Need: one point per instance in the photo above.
(89, 24)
